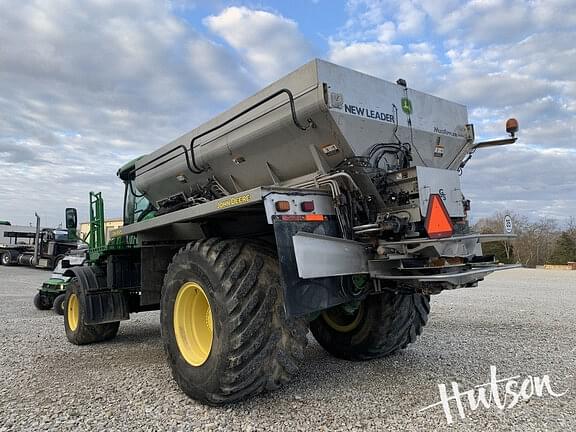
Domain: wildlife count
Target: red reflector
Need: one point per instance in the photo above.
(438, 223)
(314, 218)
(307, 206)
(303, 218)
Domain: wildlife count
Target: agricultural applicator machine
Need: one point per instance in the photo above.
(330, 201)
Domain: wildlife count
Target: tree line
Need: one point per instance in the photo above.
(545, 241)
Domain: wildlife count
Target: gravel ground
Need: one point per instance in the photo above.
(521, 321)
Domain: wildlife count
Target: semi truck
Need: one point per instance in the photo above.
(44, 248)
(330, 201)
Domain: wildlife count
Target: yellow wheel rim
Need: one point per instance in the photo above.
(193, 324)
(343, 322)
(73, 315)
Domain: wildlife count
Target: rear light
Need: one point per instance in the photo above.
(282, 206)
(512, 126)
(307, 206)
(438, 223)
(314, 218)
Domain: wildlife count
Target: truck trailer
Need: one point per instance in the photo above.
(329, 201)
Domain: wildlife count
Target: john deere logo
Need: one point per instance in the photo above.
(406, 106)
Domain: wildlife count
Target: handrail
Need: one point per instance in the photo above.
(191, 160)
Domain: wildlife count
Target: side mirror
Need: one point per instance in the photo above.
(71, 218)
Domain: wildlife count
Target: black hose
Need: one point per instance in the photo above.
(191, 162)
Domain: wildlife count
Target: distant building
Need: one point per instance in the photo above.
(109, 225)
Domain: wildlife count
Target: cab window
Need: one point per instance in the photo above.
(136, 206)
(61, 235)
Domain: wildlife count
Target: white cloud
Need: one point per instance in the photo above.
(388, 61)
(495, 89)
(532, 181)
(366, 16)
(86, 87)
(504, 21)
(501, 58)
(437, 9)
(526, 79)
(485, 21)
(216, 67)
(386, 31)
(410, 18)
(270, 45)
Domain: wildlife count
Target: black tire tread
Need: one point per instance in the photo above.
(86, 334)
(264, 347)
(6, 256)
(59, 304)
(395, 320)
(40, 303)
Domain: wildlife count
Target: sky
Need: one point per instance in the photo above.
(87, 85)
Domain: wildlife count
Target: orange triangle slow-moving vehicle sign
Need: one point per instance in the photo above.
(438, 223)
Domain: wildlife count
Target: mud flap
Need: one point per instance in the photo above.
(105, 307)
(305, 296)
(102, 305)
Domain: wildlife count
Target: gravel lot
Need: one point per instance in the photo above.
(521, 321)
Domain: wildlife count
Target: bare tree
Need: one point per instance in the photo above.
(535, 242)
(571, 227)
(502, 250)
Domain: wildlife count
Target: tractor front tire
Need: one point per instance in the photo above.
(379, 326)
(59, 304)
(223, 325)
(77, 332)
(42, 302)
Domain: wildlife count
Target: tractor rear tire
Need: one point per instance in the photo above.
(381, 325)
(59, 304)
(42, 302)
(235, 303)
(77, 332)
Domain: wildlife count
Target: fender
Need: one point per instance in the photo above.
(101, 304)
(86, 277)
